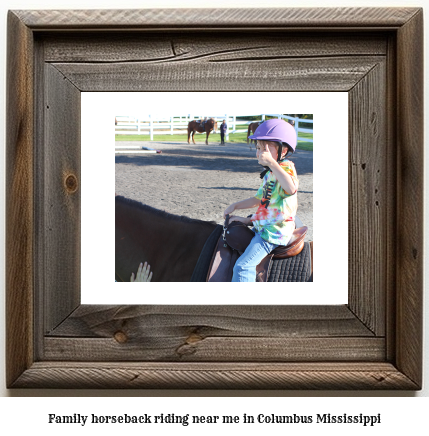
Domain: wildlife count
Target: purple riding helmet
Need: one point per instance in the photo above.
(276, 130)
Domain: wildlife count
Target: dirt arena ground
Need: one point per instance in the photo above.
(200, 181)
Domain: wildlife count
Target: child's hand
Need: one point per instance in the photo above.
(143, 274)
(264, 157)
(228, 210)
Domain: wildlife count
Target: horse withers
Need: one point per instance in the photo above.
(200, 127)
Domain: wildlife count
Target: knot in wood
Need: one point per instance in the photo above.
(120, 337)
(193, 338)
(71, 183)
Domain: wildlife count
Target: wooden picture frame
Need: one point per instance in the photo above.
(373, 342)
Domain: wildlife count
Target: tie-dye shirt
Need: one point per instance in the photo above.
(274, 218)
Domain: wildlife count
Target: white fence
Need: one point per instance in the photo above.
(126, 125)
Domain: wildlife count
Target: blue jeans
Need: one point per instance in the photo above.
(245, 267)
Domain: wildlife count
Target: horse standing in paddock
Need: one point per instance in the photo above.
(171, 244)
(209, 126)
(251, 130)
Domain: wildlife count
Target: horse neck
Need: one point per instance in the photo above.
(146, 225)
(145, 235)
(184, 231)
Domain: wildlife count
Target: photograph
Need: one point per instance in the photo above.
(163, 176)
(198, 200)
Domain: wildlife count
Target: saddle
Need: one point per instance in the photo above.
(233, 242)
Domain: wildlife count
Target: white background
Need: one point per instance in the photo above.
(401, 414)
(98, 215)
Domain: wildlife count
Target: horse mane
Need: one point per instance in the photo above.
(160, 213)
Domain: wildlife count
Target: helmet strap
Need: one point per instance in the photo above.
(266, 170)
(279, 159)
(279, 154)
(288, 153)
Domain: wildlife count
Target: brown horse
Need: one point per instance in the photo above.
(251, 130)
(170, 244)
(193, 127)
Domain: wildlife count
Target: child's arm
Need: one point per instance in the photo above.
(243, 204)
(285, 180)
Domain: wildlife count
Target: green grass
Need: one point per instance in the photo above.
(240, 137)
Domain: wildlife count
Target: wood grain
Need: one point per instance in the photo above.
(368, 173)
(61, 187)
(101, 321)
(193, 348)
(19, 200)
(391, 223)
(248, 376)
(409, 264)
(284, 18)
(213, 333)
(325, 74)
(225, 47)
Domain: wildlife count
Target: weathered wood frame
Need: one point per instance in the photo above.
(374, 342)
